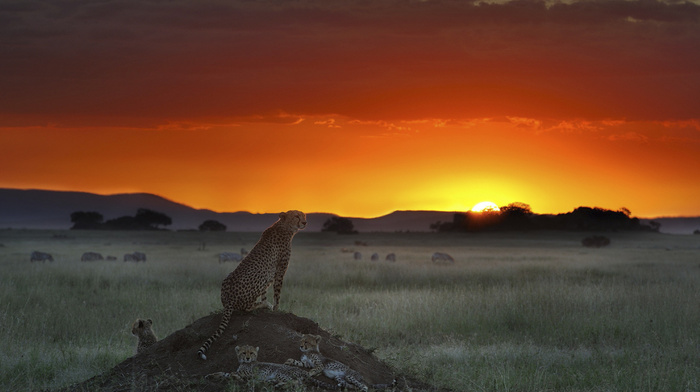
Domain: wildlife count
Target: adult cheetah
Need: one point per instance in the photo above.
(266, 263)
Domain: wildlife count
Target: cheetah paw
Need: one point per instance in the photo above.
(218, 376)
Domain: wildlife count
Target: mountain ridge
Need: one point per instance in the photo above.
(49, 209)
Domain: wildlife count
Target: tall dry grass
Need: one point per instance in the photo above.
(516, 312)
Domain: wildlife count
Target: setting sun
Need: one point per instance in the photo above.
(485, 206)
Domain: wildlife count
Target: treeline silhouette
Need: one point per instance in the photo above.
(144, 219)
(519, 217)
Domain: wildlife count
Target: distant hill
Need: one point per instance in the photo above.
(677, 225)
(42, 209)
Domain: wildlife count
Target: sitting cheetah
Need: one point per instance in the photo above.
(266, 263)
(250, 368)
(143, 331)
(311, 358)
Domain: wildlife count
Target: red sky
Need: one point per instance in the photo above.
(330, 106)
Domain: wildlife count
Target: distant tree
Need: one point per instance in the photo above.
(212, 225)
(82, 220)
(126, 223)
(516, 216)
(339, 225)
(152, 218)
(596, 218)
(517, 208)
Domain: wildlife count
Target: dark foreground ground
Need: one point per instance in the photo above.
(172, 364)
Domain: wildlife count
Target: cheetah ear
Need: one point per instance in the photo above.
(318, 338)
(140, 323)
(256, 350)
(283, 214)
(238, 350)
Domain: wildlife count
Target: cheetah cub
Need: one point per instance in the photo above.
(311, 358)
(250, 368)
(143, 331)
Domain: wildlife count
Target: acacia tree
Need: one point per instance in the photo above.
(212, 225)
(83, 220)
(339, 225)
(516, 216)
(152, 218)
(517, 208)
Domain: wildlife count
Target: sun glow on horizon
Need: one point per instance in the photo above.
(485, 206)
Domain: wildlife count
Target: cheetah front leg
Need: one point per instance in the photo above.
(318, 369)
(220, 375)
(282, 265)
(356, 382)
(262, 303)
(294, 362)
(284, 379)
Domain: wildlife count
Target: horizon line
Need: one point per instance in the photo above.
(316, 212)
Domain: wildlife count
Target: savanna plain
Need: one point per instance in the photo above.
(515, 312)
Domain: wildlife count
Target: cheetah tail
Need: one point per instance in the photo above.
(222, 327)
(385, 386)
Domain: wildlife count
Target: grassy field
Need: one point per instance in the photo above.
(516, 312)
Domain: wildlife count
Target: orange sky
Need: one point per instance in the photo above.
(358, 110)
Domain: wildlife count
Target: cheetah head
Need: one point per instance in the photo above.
(293, 219)
(309, 342)
(247, 354)
(140, 325)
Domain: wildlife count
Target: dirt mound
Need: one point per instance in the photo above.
(172, 363)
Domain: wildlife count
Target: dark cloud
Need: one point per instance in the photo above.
(84, 62)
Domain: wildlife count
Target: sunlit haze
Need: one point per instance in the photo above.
(358, 110)
(485, 206)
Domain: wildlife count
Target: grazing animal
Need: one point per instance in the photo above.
(442, 258)
(357, 256)
(250, 368)
(391, 257)
(143, 331)
(91, 256)
(375, 257)
(136, 257)
(40, 256)
(312, 358)
(229, 256)
(596, 241)
(266, 263)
